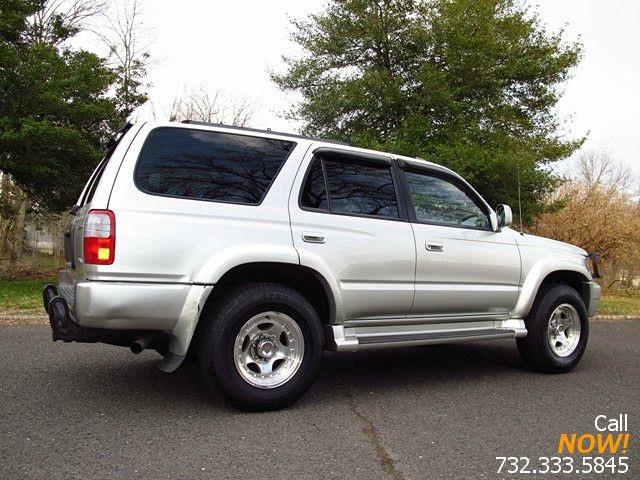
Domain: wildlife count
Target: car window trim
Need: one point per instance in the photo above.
(443, 175)
(181, 197)
(355, 157)
(364, 157)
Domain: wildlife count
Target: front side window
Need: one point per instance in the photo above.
(206, 165)
(440, 201)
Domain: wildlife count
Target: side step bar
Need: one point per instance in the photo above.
(342, 339)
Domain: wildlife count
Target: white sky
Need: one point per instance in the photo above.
(231, 45)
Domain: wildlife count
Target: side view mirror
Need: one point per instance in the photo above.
(505, 216)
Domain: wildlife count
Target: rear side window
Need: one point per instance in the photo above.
(361, 189)
(354, 187)
(205, 165)
(314, 194)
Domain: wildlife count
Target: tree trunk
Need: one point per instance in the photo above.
(4, 237)
(18, 232)
(4, 221)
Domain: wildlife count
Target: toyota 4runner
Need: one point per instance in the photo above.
(254, 251)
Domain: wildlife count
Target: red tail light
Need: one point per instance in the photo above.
(100, 237)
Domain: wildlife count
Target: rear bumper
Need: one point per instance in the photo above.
(64, 328)
(122, 305)
(117, 312)
(595, 293)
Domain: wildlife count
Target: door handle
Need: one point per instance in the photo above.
(313, 237)
(434, 247)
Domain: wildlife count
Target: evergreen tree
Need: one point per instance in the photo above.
(469, 84)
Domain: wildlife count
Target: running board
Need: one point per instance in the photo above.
(347, 339)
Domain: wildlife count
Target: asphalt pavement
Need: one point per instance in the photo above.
(82, 411)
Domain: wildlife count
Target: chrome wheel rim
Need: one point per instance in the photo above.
(563, 331)
(268, 349)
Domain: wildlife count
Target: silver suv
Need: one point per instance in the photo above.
(254, 251)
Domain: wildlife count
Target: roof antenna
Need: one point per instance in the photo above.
(519, 196)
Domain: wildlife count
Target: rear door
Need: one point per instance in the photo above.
(348, 223)
(463, 267)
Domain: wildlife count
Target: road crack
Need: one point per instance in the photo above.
(373, 436)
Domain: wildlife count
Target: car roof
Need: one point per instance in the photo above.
(318, 142)
(258, 130)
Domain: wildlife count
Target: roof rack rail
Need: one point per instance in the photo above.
(259, 130)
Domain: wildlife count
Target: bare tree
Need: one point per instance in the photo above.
(121, 29)
(125, 36)
(58, 19)
(599, 214)
(596, 169)
(199, 104)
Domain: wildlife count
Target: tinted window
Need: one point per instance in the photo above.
(440, 201)
(362, 189)
(209, 165)
(314, 194)
(92, 184)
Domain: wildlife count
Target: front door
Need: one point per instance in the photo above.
(463, 267)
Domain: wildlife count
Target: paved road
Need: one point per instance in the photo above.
(93, 411)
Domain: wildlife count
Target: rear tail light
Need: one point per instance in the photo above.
(100, 237)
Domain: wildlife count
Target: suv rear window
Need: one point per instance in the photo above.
(205, 165)
(94, 179)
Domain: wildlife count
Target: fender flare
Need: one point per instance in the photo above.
(327, 278)
(219, 264)
(230, 257)
(535, 277)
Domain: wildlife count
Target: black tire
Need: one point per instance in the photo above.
(535, 349)
(217, 337)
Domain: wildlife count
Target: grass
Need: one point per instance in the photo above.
(21, 294)
(619, 305)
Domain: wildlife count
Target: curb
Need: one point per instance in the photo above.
(16, 318)
(616, 317)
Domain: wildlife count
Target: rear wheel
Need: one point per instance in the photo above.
(262, 345)
(558, 330)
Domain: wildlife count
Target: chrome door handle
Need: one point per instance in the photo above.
(434, 247)
(313, 237)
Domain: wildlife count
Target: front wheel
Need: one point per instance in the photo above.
(558, 329)
(263, 344)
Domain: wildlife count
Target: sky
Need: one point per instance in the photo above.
(230, 46)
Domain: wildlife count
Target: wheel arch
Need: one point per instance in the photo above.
(546, 272)
(310, 283)
(227, 270)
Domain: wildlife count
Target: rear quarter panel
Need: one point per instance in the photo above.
(175, 240)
